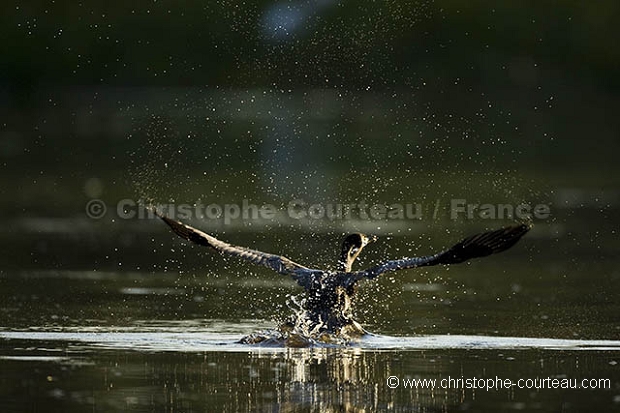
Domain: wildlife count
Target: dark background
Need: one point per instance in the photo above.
(530, 83)
(327, 102)
(385, 102)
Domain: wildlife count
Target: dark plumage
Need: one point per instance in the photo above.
(328, 302)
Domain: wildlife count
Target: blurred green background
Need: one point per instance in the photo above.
(327, 102)
(357, 88)
(324, 101)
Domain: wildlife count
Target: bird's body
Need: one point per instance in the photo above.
(328, 307)
(327, 310)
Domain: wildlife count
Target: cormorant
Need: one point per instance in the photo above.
(327, 306)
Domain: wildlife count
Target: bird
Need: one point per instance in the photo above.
(327, 308)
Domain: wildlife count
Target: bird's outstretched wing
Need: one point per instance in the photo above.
(277, 263)
(479, 245)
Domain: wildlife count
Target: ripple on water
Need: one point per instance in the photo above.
(222, 336)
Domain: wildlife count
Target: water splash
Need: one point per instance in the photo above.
(302, 329)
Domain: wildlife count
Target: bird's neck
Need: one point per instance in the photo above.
(344, 261)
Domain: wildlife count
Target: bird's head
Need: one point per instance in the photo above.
(351, 248)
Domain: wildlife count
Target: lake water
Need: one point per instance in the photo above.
(166, 340)
(114, 313)
(282, 126)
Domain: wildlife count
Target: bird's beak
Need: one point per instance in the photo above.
(372, 238)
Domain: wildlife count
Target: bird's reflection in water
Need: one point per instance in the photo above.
(234, 377)
(351, 380)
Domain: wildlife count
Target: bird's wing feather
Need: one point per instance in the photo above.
(479, 245)
(277, 263)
